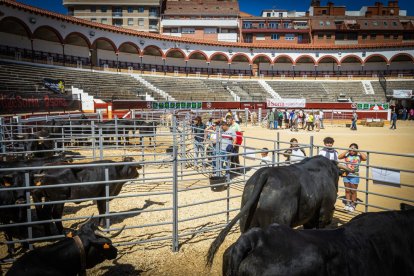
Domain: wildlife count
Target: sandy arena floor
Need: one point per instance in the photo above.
(156, 258)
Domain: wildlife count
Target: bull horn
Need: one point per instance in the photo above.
(85, 222)
(101, 233)
(344, 167)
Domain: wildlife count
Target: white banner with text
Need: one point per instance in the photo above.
(288, 103)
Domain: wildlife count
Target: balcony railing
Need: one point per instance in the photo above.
(116, 14)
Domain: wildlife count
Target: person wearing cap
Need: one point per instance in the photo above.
(198, 129)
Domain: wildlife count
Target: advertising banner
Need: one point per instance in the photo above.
(372, 106)
(286, 103)
(402, 94)
(57, 86)
(35, 103)
(177, 105)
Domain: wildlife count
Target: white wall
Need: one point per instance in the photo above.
(175, 62)
(327, 67)
(47, 46)
(15, 40)
(128, 57)
(219, 64)
(350, 66)
(75, 50)
(283, 67)
(104, 54)
(402, 65)
(156, 60)
(304, 67)
(375, 66)
(197, 63)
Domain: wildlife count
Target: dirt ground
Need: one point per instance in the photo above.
(139, 198)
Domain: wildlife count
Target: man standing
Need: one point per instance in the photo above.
(321, 119)
(354, 120)
(394, 117)
(198, 129)
(271, 119)
(235, 161)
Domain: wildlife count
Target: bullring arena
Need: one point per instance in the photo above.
(104, 103)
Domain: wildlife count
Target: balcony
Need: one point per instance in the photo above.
(200, 23)
(153, 28)
(117, 14)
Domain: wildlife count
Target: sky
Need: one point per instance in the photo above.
(253, 7)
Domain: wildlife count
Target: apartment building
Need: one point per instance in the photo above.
(140, 15)
(330, 25)
(201, 19)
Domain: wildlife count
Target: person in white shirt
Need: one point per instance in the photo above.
(321, 118)
(295, 154)
(328, 151)
(265, 160)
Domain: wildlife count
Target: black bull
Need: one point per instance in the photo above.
(299, 194)
(80, 175)
(370, 244)
(72, 256)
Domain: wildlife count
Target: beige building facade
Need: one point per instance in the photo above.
(140, 15)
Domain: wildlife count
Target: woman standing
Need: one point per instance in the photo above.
(353, 158)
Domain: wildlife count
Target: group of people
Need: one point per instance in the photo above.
(216, 141)
(295, 119)
(351, 158)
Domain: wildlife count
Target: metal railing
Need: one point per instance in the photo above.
(175, 175)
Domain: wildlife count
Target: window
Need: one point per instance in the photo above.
(274, 36)
(140, 22)
(104, 20)
(366, 23)
(387, 36)
(93, 19)
(153, 11)
(174, 30)
(130, 21)
(210, 30)
(273, 25)
(373, 36)
(321, 23)
(188, 30)
(268, 14)
(289, 36)
(328, 23)
(260, 37)
(364, 36)
(374, 23)
(385, 23)
(323, 11)
(104, 9)
(261, 25)
(141, 9)
(320, 36)
(93, 8)
(286, 25)
(328, 36)
(130, 9)
(247, 25)
(395, 36)
(394, 23)
(280, 14)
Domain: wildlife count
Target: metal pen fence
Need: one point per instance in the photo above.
(172, 199)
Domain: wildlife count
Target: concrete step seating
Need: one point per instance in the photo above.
(25, 78)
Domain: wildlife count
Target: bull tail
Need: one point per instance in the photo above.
(215, 245)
